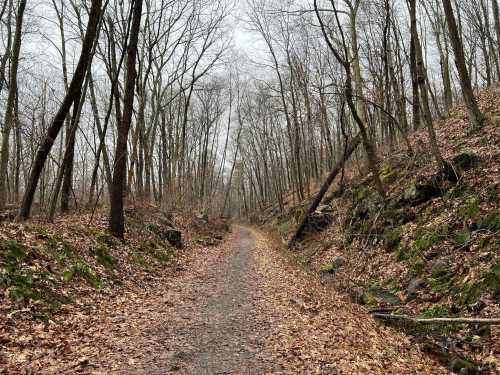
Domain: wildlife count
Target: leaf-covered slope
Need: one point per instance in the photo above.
(432, 249)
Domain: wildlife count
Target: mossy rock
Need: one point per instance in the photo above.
(377, 295)
(417, 193)
(327, 268)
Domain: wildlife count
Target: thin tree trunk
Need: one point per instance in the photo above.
(9, 113)
(476, 118)
(58, 121)
(116, 219)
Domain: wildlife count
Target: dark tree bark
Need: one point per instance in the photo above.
(476, 118)
(58, 121)
(9, 113)
(116, 218)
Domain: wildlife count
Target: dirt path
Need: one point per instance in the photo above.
(248, 312)
(239, 308)
(223, 334)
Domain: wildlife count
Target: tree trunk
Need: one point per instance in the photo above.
(116, 219)
(9, 112)
(476, 118)
(58, 121)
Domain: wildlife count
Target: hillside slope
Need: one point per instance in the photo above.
(432, 249)
(60, 282)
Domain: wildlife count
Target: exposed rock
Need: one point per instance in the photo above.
(173, 236)
(413, 287)
(202, 217)
(321, 218)
(376, 295)
(418, 193)
(339, 261)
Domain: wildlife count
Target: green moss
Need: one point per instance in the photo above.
(440, 284)
(141, 261)
(392, 284)
(378, 295)
(462, 237)
(103, 257)
(417, 266)
(492, 280)
(392, 238)
(468, 294)
(388, 173)
(285, 227)
(327, 268)
(401, 253)
(490, 222)
(42, 232)
(470, 208)
(435, 311)
(153, 228)
(427, 237)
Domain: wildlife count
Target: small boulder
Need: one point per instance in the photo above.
(413, 287)
(321, 218)
(376, 295)
(418, 193)
(173, 236)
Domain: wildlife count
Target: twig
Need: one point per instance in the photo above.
(481, 321)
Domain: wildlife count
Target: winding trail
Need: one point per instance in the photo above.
(241, 308)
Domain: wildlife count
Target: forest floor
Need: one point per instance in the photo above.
(237, 308)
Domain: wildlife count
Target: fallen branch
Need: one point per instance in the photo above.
(481, 321)
(353, 144)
